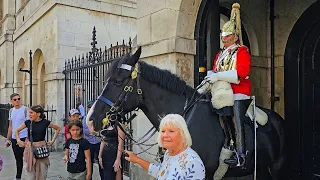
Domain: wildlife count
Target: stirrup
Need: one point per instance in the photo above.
(243, 157)
(239, 160)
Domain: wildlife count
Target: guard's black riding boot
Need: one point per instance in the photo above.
(239, 157)
(226, 130)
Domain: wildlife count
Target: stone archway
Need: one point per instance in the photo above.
(21, 81)
(1, 84)
(209, 16)
(1, 80)
(38, 64)
(41, 85)
(176, 41)
(187, 18)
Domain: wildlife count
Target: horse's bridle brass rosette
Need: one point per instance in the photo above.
(105, 121)
(134, 73)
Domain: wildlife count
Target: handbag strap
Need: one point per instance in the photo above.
(31, 132)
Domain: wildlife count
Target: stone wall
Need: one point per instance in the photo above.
(140, 126)
(167, 45)
(6, 50)
(74, 30)
(6, 67)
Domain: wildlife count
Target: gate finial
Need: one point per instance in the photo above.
(94, 42)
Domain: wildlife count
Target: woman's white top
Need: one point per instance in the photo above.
(185, 165)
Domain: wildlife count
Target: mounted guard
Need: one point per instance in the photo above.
(128, 88)
(230, 86)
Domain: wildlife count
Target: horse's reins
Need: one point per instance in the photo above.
(116, 109)
(193, 103)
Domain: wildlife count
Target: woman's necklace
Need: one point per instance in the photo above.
(168, 160)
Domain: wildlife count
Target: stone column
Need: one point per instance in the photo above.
(7, 50)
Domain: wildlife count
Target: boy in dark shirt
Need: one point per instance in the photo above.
(77, 153)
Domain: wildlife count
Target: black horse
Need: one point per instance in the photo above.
(163, 92)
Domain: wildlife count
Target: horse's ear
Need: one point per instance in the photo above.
(135, 57)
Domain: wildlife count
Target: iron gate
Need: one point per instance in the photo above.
(4, 119)
(84, 76)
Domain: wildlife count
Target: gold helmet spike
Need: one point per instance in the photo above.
(233, 26)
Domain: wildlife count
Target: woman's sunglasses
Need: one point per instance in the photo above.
(17, 99)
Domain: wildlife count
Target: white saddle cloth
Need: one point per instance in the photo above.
(222, 96)
(261, 116)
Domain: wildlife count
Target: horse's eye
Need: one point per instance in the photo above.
(118, 81)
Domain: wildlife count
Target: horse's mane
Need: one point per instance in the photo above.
(165, 79)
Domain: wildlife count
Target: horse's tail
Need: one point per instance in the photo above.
(277, 168)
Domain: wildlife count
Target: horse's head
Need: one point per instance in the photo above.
(119, 93)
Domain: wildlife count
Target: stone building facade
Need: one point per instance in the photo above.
(54, 30)
(169, 32)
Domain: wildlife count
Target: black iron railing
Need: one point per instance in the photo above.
(4, 119)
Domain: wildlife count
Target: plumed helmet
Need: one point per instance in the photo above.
(233, 26)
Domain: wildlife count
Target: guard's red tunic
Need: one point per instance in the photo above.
(243, 70)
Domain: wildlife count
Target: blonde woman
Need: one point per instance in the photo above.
(180, 161)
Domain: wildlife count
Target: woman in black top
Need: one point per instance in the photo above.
(110, 154)
(36, 168)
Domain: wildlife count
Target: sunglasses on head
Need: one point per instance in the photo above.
(37, 107)
(17, 99)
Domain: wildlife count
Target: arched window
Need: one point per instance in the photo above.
(21, 81)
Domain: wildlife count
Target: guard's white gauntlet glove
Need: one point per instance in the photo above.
(230, 76)
(204, 88)
(211, 78)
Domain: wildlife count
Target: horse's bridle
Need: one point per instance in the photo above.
(117, 106)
